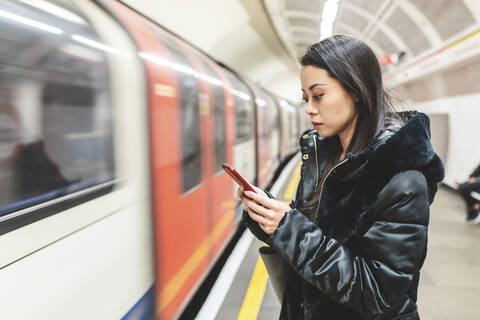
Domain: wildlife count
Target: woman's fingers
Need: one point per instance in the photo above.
(240, 193)
(257, 208)
(259, 191)
(257, 217)
(262, 200)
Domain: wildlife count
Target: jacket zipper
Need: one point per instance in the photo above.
(323, 183)
(316, 160)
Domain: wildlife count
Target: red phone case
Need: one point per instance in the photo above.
(237, 177)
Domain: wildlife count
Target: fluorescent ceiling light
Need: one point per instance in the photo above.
(326, 30)
(30, 22)
(330, 9)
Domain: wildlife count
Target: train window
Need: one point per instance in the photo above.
(269, 116)
(244, 116)
(56, 135)
(189, 113)
(218, 113)
(276, 119)
(293, 121)
(273, 112)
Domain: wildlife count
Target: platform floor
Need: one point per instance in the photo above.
(450, 278)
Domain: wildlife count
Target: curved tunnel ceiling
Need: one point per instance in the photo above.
(387, 26)
(263, 39)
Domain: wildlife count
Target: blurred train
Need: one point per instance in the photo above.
(113, 202)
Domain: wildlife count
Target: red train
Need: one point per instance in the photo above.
(114, 154)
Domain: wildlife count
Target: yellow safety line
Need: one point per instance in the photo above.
(255, 293)
(258, 284)
(170, 290)
(292, 186)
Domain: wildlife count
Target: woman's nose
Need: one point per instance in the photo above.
(311, 109)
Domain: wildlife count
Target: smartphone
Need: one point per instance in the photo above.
(237, 177)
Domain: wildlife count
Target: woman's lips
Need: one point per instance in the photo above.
(316, 125)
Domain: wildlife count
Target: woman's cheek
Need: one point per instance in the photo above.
(325, 131)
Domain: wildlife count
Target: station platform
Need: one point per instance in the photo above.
(449, 283)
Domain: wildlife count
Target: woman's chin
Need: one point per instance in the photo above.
(323, 133)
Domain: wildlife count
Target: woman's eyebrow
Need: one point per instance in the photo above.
(314, 85)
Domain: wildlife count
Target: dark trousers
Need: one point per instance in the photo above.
(465, 189)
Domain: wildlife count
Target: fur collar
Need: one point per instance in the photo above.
(399, 148)
(395, 148)
(345, 210)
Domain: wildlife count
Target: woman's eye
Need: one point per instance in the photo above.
(316, 98)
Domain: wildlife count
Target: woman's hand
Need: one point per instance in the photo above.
(267, 212)
(241, 196)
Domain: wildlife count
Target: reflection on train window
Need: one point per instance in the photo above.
(218, 113)
(276, 120)
(274, 109)
(244, 117)
(269, 116)
(55, 109)
(293, 122)
(190, 116)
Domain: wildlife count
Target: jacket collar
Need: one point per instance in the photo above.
(395, 148)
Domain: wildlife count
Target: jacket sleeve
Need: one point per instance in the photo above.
(376, 277)
(476, 172)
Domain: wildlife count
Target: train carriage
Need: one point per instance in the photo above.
(114, 203)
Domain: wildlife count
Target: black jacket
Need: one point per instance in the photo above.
(361, 257)
(476, 172)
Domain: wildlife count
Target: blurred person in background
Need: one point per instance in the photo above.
(466, 189)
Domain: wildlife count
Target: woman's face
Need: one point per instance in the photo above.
(330, 107)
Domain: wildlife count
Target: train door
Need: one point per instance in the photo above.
(267, 135)
(220, 118)
(285, 130)
(274, 113)
(179, 147)
(244, 152)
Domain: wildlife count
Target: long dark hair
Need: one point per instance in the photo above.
(352, 63)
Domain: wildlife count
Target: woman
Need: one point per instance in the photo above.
(355, 236)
